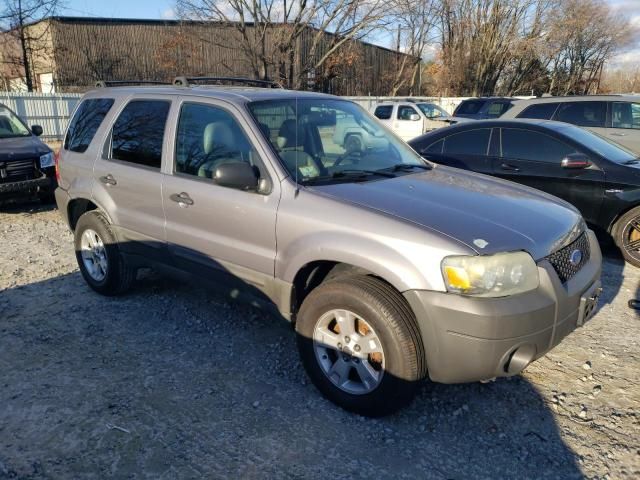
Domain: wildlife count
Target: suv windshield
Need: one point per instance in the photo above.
(609, 150)
(11, 125)
(326, 140)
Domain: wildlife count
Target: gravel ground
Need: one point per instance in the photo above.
(173, 381)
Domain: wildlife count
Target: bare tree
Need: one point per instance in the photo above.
(414, 21)
(273, 34)
(21, 41)
(584, 34)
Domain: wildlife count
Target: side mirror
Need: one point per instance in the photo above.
(238, 175)
(575, 161)
(36, 130)
(414, 117)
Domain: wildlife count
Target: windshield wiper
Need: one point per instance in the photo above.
(632, 162)
(350, 174)
(406, 166)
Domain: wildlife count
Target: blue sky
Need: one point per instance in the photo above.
(164, 9)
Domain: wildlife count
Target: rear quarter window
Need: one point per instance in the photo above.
(541, 111)
(583, 114)
(85, 123)
(383, 112)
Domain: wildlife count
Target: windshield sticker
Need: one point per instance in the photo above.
(480, 243)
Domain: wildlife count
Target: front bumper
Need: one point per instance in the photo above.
(35, 185)
(468, 338)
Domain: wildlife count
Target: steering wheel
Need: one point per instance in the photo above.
(339, 160)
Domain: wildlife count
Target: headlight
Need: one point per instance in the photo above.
(46, 160)
(491, 275)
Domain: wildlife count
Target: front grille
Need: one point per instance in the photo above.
(561, 260)
(16, 171)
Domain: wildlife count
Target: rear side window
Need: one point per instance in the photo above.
(471, 142)
(625, 115)
(138, 132)
(542, 111)
(435, 147)
(383, 112)
(535, 146)
(497, 108)
(469, 107)
(583, 114)
(85, 123)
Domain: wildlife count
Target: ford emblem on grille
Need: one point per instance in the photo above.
(576, 257)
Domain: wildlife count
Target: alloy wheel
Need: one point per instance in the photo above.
(349, 351)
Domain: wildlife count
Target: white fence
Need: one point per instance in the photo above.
(52, 111)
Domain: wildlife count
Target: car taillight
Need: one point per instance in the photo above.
(56, 158)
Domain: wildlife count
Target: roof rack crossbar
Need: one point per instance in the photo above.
(125, 83)
(187, 81)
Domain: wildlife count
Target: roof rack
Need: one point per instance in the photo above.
(187, 81)
(125, 83)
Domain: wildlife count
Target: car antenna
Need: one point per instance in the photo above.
(296, 150)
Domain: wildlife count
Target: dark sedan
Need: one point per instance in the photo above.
(601, 178)
(26, 163)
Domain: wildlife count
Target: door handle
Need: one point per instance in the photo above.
(183, 198)
(108, 180)
(509, 168)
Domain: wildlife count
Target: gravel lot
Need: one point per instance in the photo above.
(173, 381)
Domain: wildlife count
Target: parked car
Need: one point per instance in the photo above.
(600, 178)
(483, 107)
(26, 163)
(390, 268)
(615, 117)
(411, 119)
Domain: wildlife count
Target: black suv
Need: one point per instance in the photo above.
(27, 165)
(599, 177)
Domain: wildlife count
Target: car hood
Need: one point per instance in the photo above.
(20, 148)
(487, 214)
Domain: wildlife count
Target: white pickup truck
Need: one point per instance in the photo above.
(411, 119)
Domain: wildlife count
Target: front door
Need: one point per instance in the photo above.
(220, 229)
(408, 122)
(535, 159)
(128, 182)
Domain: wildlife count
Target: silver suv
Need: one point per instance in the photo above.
(391, 269)
(615, 117)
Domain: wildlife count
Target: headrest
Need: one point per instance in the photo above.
(216, 136)
(289, 136)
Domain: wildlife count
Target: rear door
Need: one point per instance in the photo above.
(384, 114)
(127, 177)
(468, 150)
(625, 125)
(408, 122)
(589, 115)
(217, 228)
(534, 159)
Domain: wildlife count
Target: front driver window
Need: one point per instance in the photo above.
(208, 137)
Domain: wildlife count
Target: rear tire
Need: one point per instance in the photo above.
(98, 256)
(626, 235)
(360, 345)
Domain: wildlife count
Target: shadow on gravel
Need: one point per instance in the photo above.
(22, 205)
(174, 380)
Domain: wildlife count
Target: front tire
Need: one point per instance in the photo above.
(626, 235)
(98, 256)
(360, 345)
